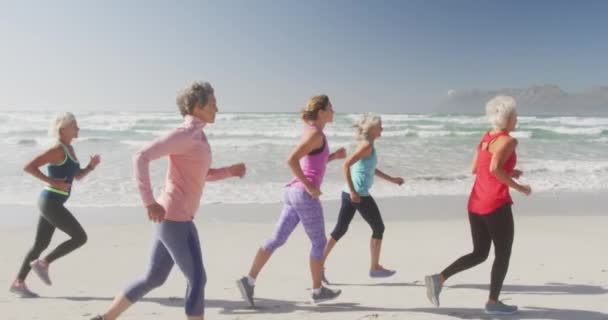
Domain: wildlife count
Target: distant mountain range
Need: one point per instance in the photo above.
(534, 100)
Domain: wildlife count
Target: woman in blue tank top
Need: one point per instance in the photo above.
(63, 167)
(359, 171)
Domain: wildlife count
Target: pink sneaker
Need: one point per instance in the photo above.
(41, 270)
(22, 290)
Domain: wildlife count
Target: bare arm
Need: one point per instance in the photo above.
(501, 150)
(395, 180)
(338, 154)
(364, 149)
(93, 163)
(52, 155)
(310, 141)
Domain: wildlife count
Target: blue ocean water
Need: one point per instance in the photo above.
(432, 152)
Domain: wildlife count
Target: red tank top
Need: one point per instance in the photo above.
(489, 193)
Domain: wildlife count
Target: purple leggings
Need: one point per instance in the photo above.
(300, 206)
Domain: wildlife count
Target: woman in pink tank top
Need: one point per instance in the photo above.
(301, 201)
(489, 205)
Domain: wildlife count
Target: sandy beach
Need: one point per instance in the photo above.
(559, 268)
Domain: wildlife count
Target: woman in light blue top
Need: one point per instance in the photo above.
(359, 171)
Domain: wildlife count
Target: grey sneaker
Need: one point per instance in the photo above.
(500, 308)
(41, 270)
(326, 294)
(433, 288)
(381, 273)
(98, 317)
(22, 291)
(246, 290)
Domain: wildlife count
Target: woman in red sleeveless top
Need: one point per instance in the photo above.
(489, 205)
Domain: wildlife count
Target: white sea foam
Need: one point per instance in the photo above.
(432, 152)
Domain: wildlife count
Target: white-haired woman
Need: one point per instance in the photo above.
(63, 167)
(176, 241)
(489, 205)
(359, 171)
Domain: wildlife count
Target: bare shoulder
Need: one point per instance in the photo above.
(55, 150)
(365, 146)
(312, 135)
(505, 143)
(53, 154)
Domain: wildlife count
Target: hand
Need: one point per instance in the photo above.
(397, 180)
(94, 161)
(354, 197)
(237, 170)
(340, 153)
(525, 189)
(516, 174)
(313, 192)
(60, 184)
(156, 212)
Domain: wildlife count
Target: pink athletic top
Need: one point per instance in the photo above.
(313, 165)
(188, 169)
(489, 193)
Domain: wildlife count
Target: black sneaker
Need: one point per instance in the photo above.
(326, 294)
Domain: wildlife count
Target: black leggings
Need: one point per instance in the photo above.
(368, 210)
(53, 215)
(495, 227)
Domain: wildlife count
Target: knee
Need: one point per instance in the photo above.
(503, 254)
(80, 238)
(378, 231)
(480, 255)
(274, 243)
(154, 280)
(339, 232)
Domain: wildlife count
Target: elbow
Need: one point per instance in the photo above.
(291, 161)
(28, 168)
(346, 166)
(139, 159)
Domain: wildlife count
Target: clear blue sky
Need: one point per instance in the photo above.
(388, 56)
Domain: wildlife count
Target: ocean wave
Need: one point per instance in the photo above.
(562, 130)
(27, 142)
(441, 178)
(566, 166)
(568, 121)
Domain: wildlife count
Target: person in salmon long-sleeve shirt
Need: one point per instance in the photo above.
(176, 240)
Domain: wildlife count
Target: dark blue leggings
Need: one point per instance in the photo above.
(368, 210)
(175, 243)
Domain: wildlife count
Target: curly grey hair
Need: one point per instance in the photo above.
(499, 110)
(363, 125)
(197, 92)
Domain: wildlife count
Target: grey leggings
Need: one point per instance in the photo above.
(53, 216)
(176, 243)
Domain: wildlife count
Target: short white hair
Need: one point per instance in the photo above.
(365, 123)
(499, 110)
(61, 121)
